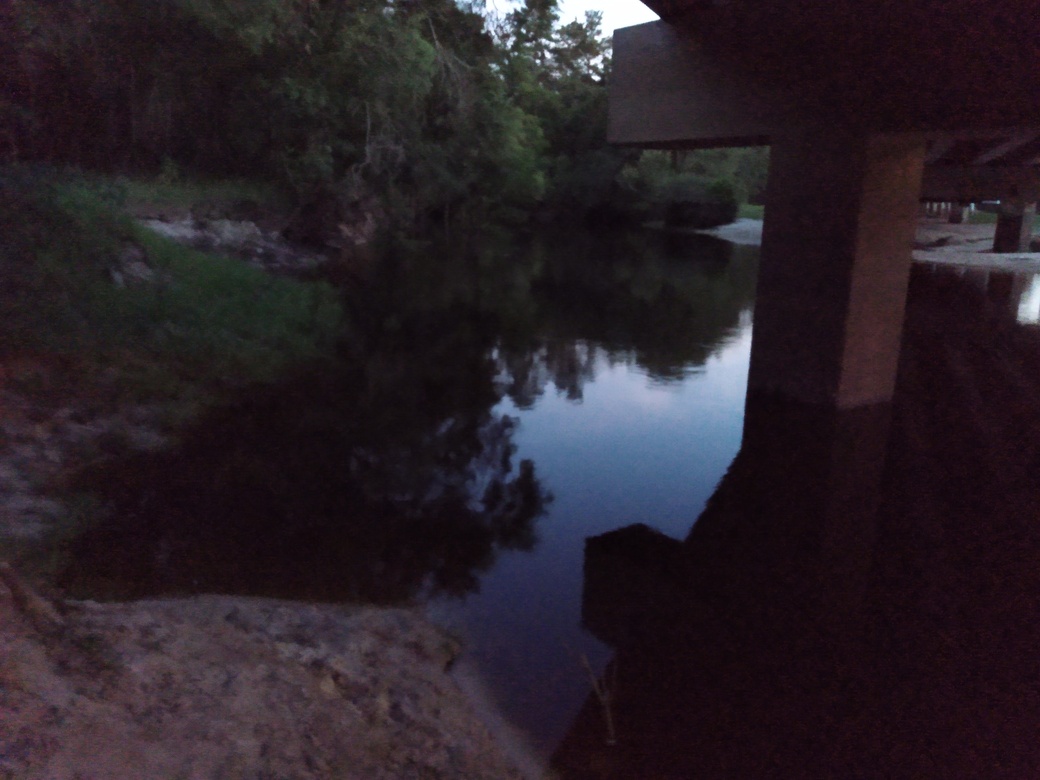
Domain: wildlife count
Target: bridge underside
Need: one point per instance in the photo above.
(869, 108)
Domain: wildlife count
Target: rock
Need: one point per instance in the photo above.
(137, 272)
(132, 267)
(182, 231)
(240, 238)
(226, 233)
(132, 253)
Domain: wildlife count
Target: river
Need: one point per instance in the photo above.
(496, 407)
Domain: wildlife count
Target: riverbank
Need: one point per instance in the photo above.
(115, 339)
(231, 687)
(967, 245)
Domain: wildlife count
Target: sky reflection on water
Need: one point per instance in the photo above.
(634, 449)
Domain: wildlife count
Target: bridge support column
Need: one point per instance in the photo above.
(841, 212)
(1014, 226)
(957, 214)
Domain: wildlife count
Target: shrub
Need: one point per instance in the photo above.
(696, 202)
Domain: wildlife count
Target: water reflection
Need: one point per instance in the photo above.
(861, 597)
(394, 475)
(630, 295)
(329, 488)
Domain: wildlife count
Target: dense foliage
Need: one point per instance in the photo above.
(436, 110)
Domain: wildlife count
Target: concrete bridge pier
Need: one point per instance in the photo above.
(1014, 226)
(836, 252)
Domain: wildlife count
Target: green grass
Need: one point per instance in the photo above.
(981, 217)
(186, 193)
(203, 325)
(748, 211)
(218, 319)
(178, 192)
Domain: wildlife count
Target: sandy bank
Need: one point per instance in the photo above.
(222, 687)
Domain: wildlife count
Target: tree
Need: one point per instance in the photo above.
(421, 106)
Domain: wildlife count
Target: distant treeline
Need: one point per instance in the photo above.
(436, 109)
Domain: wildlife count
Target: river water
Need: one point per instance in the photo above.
(495, 408)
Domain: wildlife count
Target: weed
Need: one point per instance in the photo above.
(604, 689)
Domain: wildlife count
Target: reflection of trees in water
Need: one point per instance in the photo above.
(381, 480)
(290, 495)
(567, 364)
(390, 475)
(664, 305)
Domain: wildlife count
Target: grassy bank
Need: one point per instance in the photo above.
(977, 217)
(129, 316)
(750, 211)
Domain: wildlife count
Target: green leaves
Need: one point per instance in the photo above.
(417, 104)
(254, 24)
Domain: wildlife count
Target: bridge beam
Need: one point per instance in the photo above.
(740, 72)
(836, 251)
(973, 183)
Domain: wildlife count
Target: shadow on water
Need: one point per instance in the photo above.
(331, 487)
(391, 476)
(861, 596)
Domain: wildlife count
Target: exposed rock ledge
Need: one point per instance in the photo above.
(223, 687)
(264, 250)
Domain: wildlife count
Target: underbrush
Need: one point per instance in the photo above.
(131, 313)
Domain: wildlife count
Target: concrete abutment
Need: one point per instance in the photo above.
(1014, 226)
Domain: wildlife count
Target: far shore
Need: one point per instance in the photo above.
(936, 241)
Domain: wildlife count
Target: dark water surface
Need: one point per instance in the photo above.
(546, 441)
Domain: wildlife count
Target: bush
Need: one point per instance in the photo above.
(696, 202)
